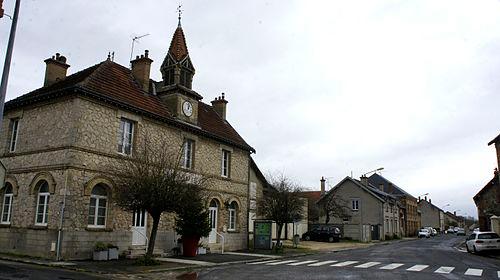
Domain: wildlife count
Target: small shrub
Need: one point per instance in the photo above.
(146, 261)
(100, 246)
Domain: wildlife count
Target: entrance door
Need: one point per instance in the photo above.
(139, 227)
(375, 233)
(212, 237)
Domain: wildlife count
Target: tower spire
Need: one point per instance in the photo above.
(179, 11)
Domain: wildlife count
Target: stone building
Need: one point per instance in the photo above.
(408, 203)
(487, 200)
(374, 214)
(60, 138)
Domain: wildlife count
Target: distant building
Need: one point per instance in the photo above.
(373, 213)
(431, 215)
(407, 202)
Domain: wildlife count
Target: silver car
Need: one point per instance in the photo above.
(482, 241)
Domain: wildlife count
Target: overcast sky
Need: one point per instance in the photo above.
(318, 89)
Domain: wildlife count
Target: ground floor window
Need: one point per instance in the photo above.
(97, 207)
(7, 204)
(232, 216)
(42, 207)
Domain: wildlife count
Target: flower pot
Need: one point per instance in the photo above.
(189, 245)
(112, 253)
(100, 255)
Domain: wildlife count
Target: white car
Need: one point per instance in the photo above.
(482, 241)
(423, 232)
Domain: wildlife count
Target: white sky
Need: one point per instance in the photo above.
(318, 88)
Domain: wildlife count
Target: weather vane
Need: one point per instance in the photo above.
(179, 11)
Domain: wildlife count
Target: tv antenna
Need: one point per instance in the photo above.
(136, 39)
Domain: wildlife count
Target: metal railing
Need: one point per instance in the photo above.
(223, 241)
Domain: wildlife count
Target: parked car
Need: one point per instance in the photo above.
(424, 232)
(450, 230)
(433, 232)
(461, 231)
(330, 234)
(482, 241)
(476, 229)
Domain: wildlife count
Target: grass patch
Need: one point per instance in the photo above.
(145, 261)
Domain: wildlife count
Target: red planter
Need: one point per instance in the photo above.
(190, 245)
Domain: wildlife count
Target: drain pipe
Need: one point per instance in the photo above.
(61, 220)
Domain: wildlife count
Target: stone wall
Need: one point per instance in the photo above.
(72, 143)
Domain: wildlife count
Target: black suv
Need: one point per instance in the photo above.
(330, 234)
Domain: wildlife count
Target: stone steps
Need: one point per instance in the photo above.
(139, 251)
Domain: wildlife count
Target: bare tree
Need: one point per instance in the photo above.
(154, 180)
(334, 206)
(282, 204)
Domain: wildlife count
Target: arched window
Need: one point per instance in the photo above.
(7, 204)
(232, 215)
(98, 205)
(42, 206)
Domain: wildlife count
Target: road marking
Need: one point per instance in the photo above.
(444, 269)
(345, 263)
(474, 272)
(418, 267)
(321, 263)
(262, 262)
(281, 262)
(304, 262)
(392, 266)
(367, 265)
(498, 274)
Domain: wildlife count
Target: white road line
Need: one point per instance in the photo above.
(321, 263)
(344, 263)
(304, 262)
(281, 262)
(418, 267)
(368, 264)
(392, 266)
(444, 269)
(262, 262)
(474, 272)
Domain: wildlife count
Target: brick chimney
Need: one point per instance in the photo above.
(364, 180)
(322, 185)
(219, 105)
(141, 67)
(55, 69)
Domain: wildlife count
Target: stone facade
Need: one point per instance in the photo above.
(71, 142)
(430, 214)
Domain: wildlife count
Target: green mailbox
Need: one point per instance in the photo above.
(262, 234)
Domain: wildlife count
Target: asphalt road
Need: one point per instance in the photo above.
(434, 258)
(15, 270)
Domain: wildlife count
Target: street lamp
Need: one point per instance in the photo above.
(373, 171)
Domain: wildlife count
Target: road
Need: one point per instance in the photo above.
(15, 270)
(434, 258)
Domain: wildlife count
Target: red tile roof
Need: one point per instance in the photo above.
(313, 195)
(178, 48)
(114, 83)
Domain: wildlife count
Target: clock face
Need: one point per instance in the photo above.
(187, 108)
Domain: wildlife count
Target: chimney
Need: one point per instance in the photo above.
(418, 199)
(425, 198)
(364, 180)
(322, 185)
(55, 69)
(141, 67)
(219, 105)
(455, 213)
(430, 201)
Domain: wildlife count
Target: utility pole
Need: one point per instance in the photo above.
(8, 57)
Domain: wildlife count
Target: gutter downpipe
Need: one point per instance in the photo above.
(61, 221)
(248, 201)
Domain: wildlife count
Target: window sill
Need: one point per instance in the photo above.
(98, 229)
(233, 231)
(38, 227)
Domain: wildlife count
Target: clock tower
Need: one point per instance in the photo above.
(177, 71)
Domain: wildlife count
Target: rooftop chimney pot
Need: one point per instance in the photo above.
(219, 104)
(141, 68)
(55, 69)
(322, 186)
